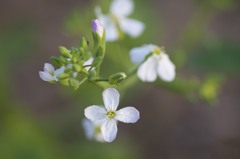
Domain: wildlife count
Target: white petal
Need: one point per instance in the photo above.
(111, 99)
(128, 115)
(45, 76)
(48, 68)
(166, 69)
(138, 54)
(111, 32)
(95, 113)
(132, 27)
(109, 130)
(147, 72)
(59, 71)
(88, 62)
(122, 7)
(88, 128)
(109, 25)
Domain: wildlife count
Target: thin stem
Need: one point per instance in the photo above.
(101, 80)
(82, 81)
(87, 65)
(133, 71)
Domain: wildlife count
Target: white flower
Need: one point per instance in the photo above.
(92, 130)
(109, 116)
(97, 27)
(158, 63)
(117, 18)
(50, 74)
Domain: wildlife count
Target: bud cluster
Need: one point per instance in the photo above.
(76, 65)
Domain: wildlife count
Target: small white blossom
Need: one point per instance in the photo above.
(109, 115)
(92, 130)
(50, 74)
(118, 18)
(158, 63)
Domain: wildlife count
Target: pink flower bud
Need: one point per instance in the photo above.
(97, 27)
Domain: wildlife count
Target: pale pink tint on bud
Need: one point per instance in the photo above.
(97, 27)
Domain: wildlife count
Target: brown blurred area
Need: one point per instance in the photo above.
(171, 127)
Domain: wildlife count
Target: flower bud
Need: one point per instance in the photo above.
(97, 27)
(117, 78)
(83, 43)
(74, 83)
(64, 51)
(56, 62)
(77, 67)
(63, 76)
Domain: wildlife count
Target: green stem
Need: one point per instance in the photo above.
(87, 65)
(82, 81)
(101, 80)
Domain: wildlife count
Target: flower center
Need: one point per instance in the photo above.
(157, 50)
(111, 114)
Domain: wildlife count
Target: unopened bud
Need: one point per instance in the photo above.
(65, 52)
(97, 27)
(83, 43)
(56, 62)
(63, 76)
(117, 78)
(74, 83)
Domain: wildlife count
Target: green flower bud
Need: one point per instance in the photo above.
(64, 82)
(74, 83)
(56, 62)
(68, 69)
(63, 76)
(74, 51)
(62, 60)
(117, 78)
(77, 68)
(83, 43)
(65, 52)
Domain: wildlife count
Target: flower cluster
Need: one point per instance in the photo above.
(78, 65)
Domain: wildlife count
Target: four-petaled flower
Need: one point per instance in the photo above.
(116, 21)
(109, 116)
(153, 61)
(50, 74)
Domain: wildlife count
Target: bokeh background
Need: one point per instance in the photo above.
(194, 117)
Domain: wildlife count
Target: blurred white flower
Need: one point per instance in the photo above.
(109, 115)
(118, 19)
(50, 74)
(92, 130)
(158, 63)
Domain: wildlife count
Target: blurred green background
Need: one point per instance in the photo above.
(194, 117)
